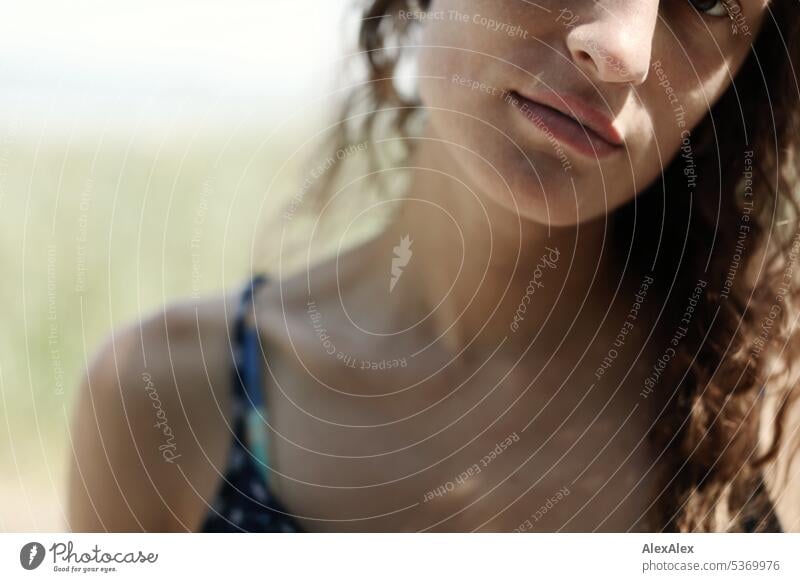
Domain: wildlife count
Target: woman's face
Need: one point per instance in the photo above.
(640, 73)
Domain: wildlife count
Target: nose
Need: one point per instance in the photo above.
(614, 43)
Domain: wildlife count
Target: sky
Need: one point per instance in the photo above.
(112, 63)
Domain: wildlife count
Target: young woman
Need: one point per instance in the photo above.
(577, 317)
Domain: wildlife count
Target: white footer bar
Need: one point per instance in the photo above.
(388, 557)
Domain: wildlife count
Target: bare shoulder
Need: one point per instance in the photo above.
(150, 423)
(782, 477)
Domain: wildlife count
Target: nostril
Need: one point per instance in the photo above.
(586, 61)
(584, 57)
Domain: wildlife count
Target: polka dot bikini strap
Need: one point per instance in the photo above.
(249, 380)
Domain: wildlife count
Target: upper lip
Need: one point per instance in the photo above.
(579, 110)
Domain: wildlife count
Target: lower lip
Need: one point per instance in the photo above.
(563, 129)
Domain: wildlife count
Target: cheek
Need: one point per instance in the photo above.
(435, 65)
(684, 84)
(438, 94)
(446, 85)
(698, 65)
(700, 84)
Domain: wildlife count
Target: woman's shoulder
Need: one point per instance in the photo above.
(150, 427)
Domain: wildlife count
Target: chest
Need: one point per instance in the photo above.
(507, 446)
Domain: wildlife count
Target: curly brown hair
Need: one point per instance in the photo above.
(733, 237)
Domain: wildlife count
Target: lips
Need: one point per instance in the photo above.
(570, 121)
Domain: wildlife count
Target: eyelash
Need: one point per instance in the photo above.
(720, 3)
(730, 8)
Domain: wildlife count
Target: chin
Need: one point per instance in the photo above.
(551, 201)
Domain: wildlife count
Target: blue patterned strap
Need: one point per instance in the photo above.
(249, 381)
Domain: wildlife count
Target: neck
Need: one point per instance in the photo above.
(485, 274)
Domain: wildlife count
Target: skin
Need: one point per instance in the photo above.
(604, 54)
(359, 449)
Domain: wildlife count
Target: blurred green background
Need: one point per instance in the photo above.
(142, 148)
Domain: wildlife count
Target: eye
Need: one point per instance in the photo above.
(711, 7)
